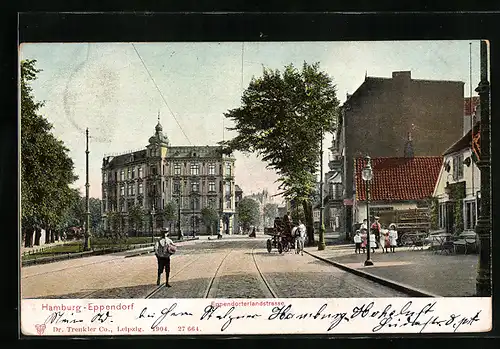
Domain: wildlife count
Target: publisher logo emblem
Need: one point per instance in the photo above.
(40, 329)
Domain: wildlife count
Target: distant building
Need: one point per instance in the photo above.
(238, 195)
(389, 117)
(193, 177)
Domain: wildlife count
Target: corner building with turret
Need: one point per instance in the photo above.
(193, 177)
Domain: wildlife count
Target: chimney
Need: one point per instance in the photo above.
(403, 75)
(408, 153)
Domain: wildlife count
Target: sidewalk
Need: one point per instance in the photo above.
(442, 275)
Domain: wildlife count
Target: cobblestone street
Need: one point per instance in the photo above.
(238, 267)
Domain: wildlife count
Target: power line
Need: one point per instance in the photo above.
(161, 94)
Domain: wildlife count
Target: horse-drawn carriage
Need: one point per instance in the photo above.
(281, 236)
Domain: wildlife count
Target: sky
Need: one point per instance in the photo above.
(114, 91)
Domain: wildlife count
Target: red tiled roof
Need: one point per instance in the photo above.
(467, 104)
(397, 179)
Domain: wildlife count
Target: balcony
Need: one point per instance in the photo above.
(336, 163)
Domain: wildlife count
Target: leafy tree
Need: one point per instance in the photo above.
(113, 220)
(95, 214)
(248, 213)
(136, 215)
(282, 119)
(169, 213)
(270, 213)
(210, 217)
(46, 168)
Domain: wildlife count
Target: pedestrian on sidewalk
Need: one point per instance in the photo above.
(299, 241)
(375, 230)
(364, 242)
(164, 248)
(357, 241)
(393, 237)
(383, 240)
(372, 243)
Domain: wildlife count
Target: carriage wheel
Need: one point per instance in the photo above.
(269, 246)
(280, 247)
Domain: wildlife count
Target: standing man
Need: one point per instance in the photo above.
(164, 248)
(302, 236)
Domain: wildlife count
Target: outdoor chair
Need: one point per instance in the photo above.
(467, 243)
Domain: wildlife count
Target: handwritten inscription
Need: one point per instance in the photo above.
(61, 317)
(376, 316)
(227, 315)
(163, 314)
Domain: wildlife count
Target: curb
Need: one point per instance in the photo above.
(411, 291)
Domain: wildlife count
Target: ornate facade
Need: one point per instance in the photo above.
(194, 177)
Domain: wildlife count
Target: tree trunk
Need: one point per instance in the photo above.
(309, 222)
(38, 234)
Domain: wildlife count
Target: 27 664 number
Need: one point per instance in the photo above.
(188, 329)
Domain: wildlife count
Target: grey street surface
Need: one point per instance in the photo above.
(234, 267)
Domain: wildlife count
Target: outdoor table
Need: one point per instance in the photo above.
(443, 241)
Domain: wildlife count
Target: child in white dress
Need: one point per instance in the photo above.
(357, 241)
(393, 237)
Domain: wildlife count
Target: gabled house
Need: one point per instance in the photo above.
(383, 117)
(398, 183)
(458, 187)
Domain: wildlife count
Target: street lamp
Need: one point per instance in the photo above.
(179, 233)
(367, 175)
(483, 226)
(152, 223)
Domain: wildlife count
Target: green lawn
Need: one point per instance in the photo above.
(95, 243)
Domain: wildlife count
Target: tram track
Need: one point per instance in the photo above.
(212, 279)
(158, 288)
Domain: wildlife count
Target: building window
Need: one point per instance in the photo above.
(195, 203)
(129, 173)
(470, 215)
(458, 167)
(122, 190)
(129, 189)
(177, 169)
(228, 169)
(177, 187)
(195, 186)
(211, 186)
(133, 172)
(139, 174)
(228, 188)
(104, 177)
(122, 206)
(141, 189)
(211, 169)
(153, 170)
(133, 189)
(228, 203)
(195, 169)
(122, 175)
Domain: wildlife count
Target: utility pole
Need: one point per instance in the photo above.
(321, 242)
(483, 227)
(86, 245)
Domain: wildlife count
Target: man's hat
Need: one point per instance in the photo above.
(377, 217)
